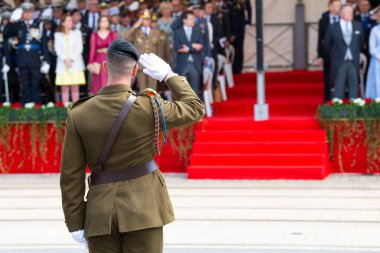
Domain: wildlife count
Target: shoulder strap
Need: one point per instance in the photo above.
(114, 131)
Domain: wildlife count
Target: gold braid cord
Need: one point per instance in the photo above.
(156, 122)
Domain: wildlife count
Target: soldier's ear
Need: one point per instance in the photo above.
(135, 69)
(105, 66)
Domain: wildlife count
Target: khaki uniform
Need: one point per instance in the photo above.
(154, 43)
(126, 206)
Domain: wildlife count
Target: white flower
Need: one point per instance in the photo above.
(29, 105)
(6, 104)
(359, 101)
(68, 104)
(50, 105)
(377, 100)
(337, 101)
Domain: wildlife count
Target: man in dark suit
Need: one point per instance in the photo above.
(200, 22)
(329, 17)
(240, 15)
(91, 16)
(343, 43)
(188, 43)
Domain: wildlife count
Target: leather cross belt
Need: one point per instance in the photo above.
(106, 177)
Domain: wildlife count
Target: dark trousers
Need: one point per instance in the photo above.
(148, 240)
(327, 80)
(192, 75)
(347, 74)
(30, 82)
(238, 44)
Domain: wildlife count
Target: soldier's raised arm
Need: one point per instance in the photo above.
(187, 108)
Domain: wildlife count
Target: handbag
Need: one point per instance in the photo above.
(94, 68)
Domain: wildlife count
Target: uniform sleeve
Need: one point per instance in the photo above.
(327, 43)
(320, 39)
(187, 109)
(73, 174)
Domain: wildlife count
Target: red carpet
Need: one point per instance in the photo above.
(290, 145)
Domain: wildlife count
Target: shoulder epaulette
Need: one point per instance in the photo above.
(148, 91)
(80, 101)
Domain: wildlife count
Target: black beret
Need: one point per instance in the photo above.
(124, 47)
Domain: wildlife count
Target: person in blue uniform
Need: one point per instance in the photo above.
(32, 53)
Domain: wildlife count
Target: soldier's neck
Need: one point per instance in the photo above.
(125, 81)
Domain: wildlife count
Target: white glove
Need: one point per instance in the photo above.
(154, 66)
(78, 236)
(5, 69)
(45, 68)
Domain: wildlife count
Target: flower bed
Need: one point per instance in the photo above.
(353, 130)
(31, 140)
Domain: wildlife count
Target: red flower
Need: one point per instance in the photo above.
(59, 104)
(329, 102)
(37, 106)
(368, 100)
(16, 105)
(346, 101)
(1, 104)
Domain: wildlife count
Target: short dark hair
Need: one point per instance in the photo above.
(119, 65)
(73, 11)
(186, 14)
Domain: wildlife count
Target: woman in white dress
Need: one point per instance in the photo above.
(373, 76)
(68, 46)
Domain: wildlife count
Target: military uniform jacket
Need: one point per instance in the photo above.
(139, 203)
(34, 35)
(143, 43)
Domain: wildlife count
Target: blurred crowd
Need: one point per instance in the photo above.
(349, 49)
(55, 51)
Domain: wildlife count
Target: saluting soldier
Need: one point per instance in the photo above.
(32, 51)
(146, 40)
(127, 202)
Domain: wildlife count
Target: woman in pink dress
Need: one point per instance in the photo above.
(100, 40)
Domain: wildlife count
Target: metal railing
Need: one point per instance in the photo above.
(279, 46)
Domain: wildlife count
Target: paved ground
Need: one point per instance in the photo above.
(339, 214)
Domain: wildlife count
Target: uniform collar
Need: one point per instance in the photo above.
(115, 88)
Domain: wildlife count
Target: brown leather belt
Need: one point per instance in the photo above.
(106, 177)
